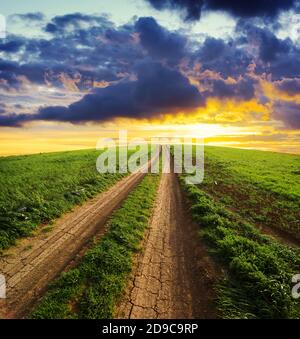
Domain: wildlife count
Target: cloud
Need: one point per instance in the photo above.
(272, 55)
(98, 52)
(250, 9)
(63, 23)
(270, 47)
(192, 9)
(160, 43)
(2, 108)
(288, 113)
(156, 91)
(14, 75)
(143, 69)
(13, 120)
(212, 49)
(224, 57)
(33, 16)
(243, 89)
(289, 86)
(88, 54)
(119, 36)
(11, 46)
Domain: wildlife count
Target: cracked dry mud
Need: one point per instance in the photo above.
(36, 261)
(173, 276)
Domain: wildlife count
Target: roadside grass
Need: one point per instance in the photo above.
(262, 187)
(37, 189)
(92, 289)
(260, 270)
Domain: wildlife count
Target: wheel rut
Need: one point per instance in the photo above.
(34, 262)
(174, 275)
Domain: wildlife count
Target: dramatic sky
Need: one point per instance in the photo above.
(74, 71)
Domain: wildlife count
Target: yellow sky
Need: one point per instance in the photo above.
(49, 137)
(243, 124)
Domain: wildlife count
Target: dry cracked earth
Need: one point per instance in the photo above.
(173, 275)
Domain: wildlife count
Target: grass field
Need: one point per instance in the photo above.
(244, 194)
(92, 289)
(263, 187)
(36, 189)
(259, 269)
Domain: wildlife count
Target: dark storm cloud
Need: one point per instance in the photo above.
(192, 9)
(13, 120)
(11, 73)
(288, 113)
(99, 52)
(244, 89)
(2, 108)
(159, 42)
(278, 57)
(11, 46)
(212, 49)
(286, 66)
(289, 86)
(224, 57)
(271, 48)
(253, 8)
(157, 90)
(119, 36)
(154, 92)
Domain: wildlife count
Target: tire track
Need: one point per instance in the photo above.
(174, 275)
(36, 261)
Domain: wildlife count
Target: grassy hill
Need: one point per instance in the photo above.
(36, 189)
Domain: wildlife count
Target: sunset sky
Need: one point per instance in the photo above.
(72, 72)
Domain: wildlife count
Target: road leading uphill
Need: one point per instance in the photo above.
(174, 275)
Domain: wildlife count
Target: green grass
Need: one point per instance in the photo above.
(263, 187)
(259, 269)
(241, 190)
(36, 189)
(92, 289)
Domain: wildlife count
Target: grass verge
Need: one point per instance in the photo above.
(260, 270)
(92, 289)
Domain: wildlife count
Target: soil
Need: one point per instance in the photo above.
(252, 203)
(174, 275)
(34, 262)
(273, 218)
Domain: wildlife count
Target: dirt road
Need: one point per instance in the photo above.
(34, 262)
(174, 276)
